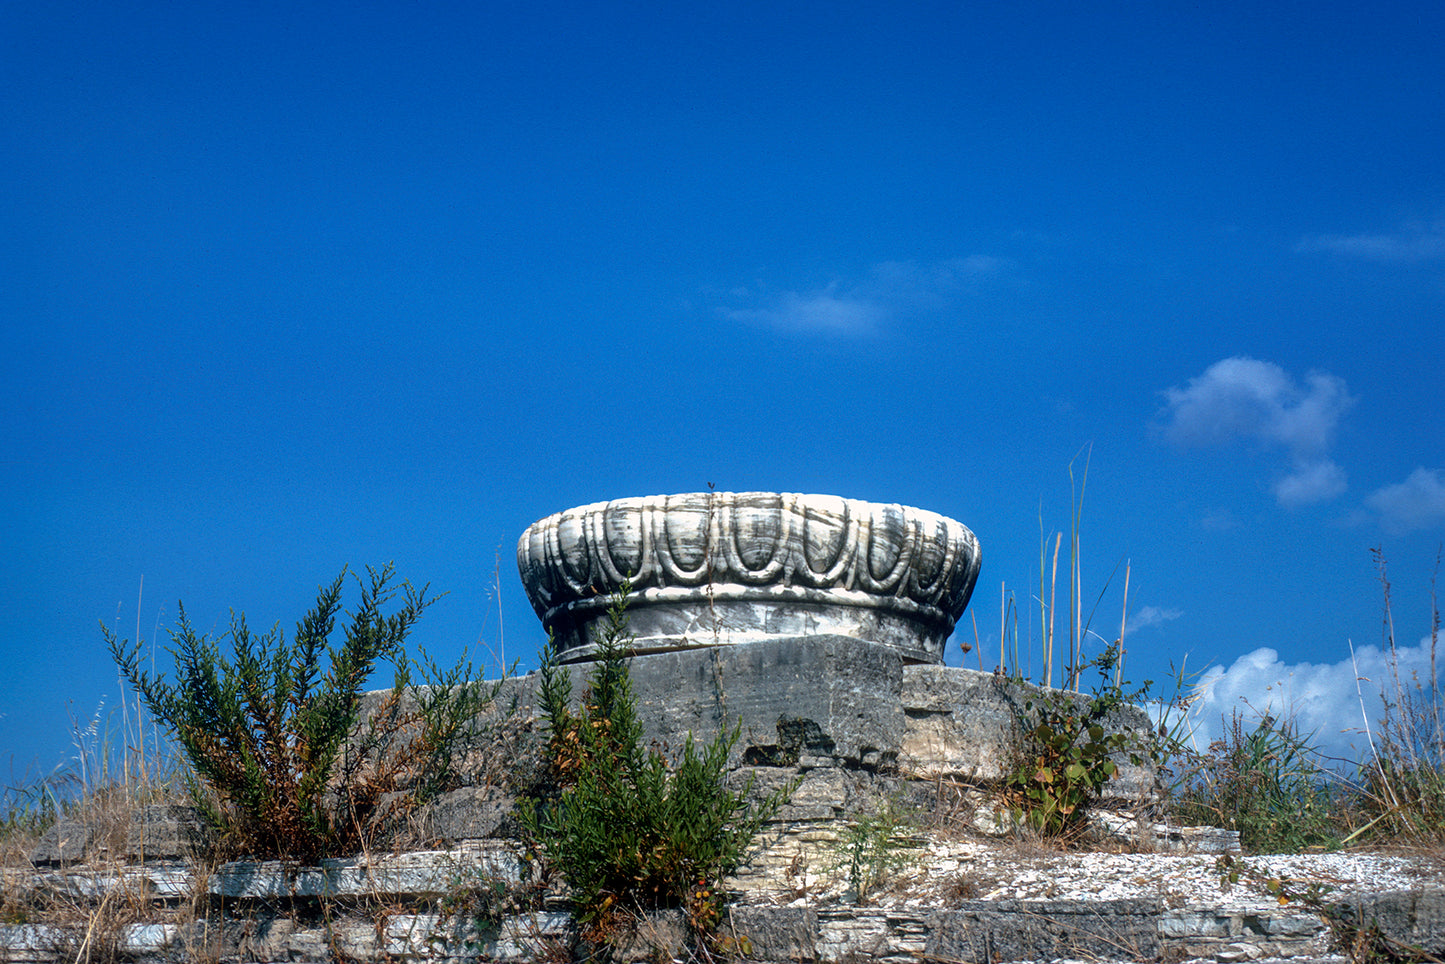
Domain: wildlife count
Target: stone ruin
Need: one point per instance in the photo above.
(714, 569)
(818, 623)
(814, 624)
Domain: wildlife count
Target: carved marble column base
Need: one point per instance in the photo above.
(719, 568)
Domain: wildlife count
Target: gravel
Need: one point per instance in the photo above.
(988, 870)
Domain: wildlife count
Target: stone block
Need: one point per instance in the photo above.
(65, 842)
(959, 725)
(469, 813)
(808, 700)
(962, 724)
(420, 874)
(1012, 930)
(166, 832)
(1414, 918)
(776, 933)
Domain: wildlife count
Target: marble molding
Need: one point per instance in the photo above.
(717, 568)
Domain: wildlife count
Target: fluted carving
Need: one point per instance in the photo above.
(709, 568)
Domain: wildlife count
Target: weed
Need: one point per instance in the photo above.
(876, 846)
(267, 730)
(630, 830)
(1403, 781)
(1070, 746)
(1266, 781)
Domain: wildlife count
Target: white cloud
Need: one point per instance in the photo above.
(1219, 520)
(1245, 399)
(1416, 503)
(1310, 483)
(823, 312)
(1152, 616)
(864, 307)
(1329, 700)
(1412, 244)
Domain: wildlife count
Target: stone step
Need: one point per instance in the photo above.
(1138, 929)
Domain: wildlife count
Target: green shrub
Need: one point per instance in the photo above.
(1069, 750)
(1267, 782)
(276, 739)
(629, 829)
(875, 846)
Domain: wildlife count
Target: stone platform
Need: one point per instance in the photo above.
(392, 908)
(835, 701)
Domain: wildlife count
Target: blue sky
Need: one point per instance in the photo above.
(288, 287)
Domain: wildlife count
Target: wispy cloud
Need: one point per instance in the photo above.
(1309, 483)
(864, 307)
(1152, 616)
(1412, 244)
(1416, 503)
(825, 312)
(1245, 399)
(1329, 700)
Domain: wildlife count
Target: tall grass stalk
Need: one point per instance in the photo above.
(1123, 618)
(1016, 655)
(1076, 605)
(1053, 588)
(1405, 775)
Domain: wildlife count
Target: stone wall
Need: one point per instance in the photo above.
(843, 719)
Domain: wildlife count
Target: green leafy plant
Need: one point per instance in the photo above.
(274, 735)
(628, 828)
(1070, 745)
(875, 846)
(1266, 781)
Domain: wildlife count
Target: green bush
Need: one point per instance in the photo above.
(875, 846)
(629, 829)
(292, 773)
(1069, 750)
(1267, 782)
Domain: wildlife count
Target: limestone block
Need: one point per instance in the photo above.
(64, 843)
(777, 933)
(1413, 917)
(424, 873)
(962, 724)
(469, 813)
(811, 701)
(1013, 930)
(165, 832)
(1229, 934)
(958, 725)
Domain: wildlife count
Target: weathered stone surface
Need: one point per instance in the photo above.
(397, 918)
(469, 813)
(1030, 930)
(425, 874)
(801, 701)
(718, 568)
(64, 843)
(963, 724)
(1134, 831)
(850, 934)
(154, 881)
(958, 725)
(777, 933)
(1223, 933)
(1415, 918)
(166, 832)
